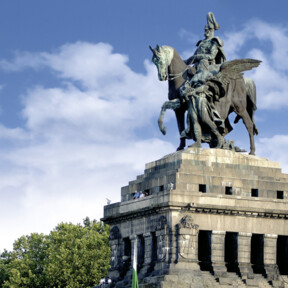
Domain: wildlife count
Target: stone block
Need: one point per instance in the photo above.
(171, 278)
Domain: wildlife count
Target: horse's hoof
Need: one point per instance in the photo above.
(252, 153)
(220, 143)
(180, 148)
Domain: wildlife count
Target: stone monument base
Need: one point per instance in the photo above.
(210, 218)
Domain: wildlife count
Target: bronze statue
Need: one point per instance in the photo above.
(209, 93)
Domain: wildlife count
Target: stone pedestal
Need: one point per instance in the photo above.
(199, 192)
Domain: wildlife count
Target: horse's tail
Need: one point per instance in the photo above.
(251, 93)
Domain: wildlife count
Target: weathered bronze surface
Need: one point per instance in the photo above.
(209, 91)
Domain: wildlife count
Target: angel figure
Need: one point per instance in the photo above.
(202, 93)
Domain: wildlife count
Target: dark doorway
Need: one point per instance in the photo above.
(231, 251)
(154, 247)
(125, 265)
(257, 253)
(140, 252)
(282, 254)
(127, 247)
(204, 250)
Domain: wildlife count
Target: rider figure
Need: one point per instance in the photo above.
(209, 48)
(207, 59)
(200, 93)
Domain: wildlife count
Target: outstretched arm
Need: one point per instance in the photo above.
(190, 60)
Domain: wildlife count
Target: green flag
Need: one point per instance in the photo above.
(134, 275)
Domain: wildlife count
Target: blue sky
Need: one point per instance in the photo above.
(80, 97)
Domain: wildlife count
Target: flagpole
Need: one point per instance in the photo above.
(134, 275)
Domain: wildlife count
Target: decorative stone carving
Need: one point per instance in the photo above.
(162, 247)
(114, 238)
(187, 222)
(162, 222)
(114, 233)
(114, 256)
(187, 238)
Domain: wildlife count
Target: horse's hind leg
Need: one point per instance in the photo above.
(250, 128)
(180, 115)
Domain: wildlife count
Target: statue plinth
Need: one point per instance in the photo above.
(209, 214)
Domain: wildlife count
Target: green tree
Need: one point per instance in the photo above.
(70, 256)
(23, 267)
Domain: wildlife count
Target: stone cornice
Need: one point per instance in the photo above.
(197, 209)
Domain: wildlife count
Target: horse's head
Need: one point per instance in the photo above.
(162, 57)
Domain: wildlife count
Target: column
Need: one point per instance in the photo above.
(270, 254)
(147, 256)
(244, 255)
(148, 248)
(218, 252)
(132, 238)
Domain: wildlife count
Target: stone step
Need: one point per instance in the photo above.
(284, 280)
(258, 281)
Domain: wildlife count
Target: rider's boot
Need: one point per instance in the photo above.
(220, 139)
(198, 136)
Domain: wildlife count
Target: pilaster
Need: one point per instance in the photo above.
(187, 243)
(217, 253)
(147, 257)
(244, 255)
(270, 256)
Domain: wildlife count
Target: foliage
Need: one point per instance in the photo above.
(70, 256)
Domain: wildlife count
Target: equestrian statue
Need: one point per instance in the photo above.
(207, 88)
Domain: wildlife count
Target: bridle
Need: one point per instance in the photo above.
(172, 77)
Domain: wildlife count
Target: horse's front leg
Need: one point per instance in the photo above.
(172, 104)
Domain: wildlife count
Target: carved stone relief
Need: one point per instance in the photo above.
(187, 237)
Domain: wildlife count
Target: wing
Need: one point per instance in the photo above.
(234, 69)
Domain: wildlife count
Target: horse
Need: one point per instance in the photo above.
(240, 94)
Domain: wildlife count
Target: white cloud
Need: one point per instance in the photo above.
(274, 149)
(79, 145)
(13, 133)
(81, 140)
(21, 61)
(271, 47)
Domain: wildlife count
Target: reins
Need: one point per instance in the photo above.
(175, 76)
